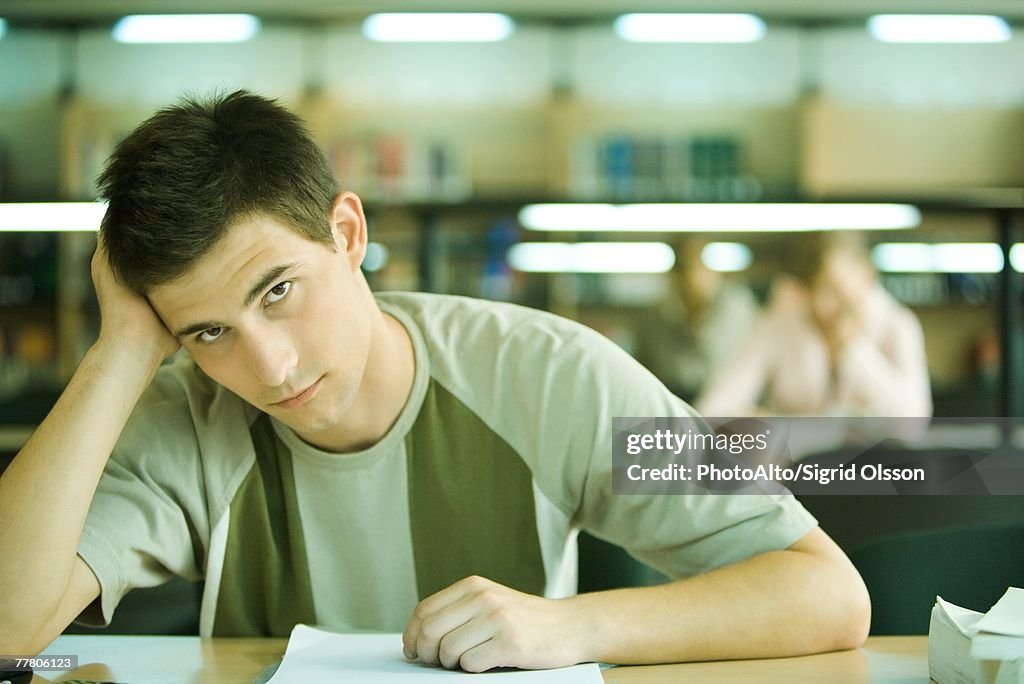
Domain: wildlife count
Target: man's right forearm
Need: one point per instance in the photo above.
(47, 489)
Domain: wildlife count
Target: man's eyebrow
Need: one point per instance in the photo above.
(262, 284)
(266, 281)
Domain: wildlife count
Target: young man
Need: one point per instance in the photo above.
(322, 455)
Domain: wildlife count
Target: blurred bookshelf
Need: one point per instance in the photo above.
(442, 185)
(28, 311)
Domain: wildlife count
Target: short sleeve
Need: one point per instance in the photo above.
(679, 535)
(147, 519)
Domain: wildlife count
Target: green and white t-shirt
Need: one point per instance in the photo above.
(500, 455)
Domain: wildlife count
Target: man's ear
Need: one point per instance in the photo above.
(348, 223)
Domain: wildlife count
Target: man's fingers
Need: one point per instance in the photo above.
(430, 606)
(456, 643)
(423, 610)
(481, 657)
(490, 626)
(438, 625)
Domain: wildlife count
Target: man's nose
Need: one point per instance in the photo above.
(272, 356)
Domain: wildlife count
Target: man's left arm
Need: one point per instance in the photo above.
(805, 599)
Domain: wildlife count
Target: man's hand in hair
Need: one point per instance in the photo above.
(126, 318)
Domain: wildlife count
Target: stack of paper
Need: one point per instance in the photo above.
(951, 652)
(314, 656)
(1001, 632)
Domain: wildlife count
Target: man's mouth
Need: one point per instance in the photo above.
(301, 398)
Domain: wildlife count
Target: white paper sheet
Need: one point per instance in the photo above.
(314, 656)
(963, 620)
(1007, 616)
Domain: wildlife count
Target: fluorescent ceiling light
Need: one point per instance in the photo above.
(726, 257)
(951, 257)
(718, 217)
(186, 28)
(1017, 257)
(3, 27)
(51, 216)
(591, 257)
(690, 28)
(438, 27)
(939, 28)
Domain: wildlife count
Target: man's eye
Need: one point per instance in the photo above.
(278, 292)
(209, 335)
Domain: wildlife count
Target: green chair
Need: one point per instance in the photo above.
(970, 566)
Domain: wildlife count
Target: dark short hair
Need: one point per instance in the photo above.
(181, 179)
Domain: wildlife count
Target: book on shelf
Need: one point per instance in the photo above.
(393, 167)
(662, 167)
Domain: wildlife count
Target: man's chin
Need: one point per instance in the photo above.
(305, 425)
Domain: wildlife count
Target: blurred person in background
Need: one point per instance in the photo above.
(699, 324)
(832, 342)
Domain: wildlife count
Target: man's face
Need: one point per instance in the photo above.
(279, 320)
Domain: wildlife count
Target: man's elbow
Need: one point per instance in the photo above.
(841, 605)
(852, 616)
(25, 644)
(12, 634)
(15, 644)
(32, 634)
(859, 623)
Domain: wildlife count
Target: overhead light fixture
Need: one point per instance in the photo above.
(939, 28)
(1017, 257)
(438, 27)
(51, 216)
(718, 217)
(690, 28)
(949, 257)
(726, 257)
(591, 257)
(3, 27)
(186, 28)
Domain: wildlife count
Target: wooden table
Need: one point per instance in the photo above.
(191, 660)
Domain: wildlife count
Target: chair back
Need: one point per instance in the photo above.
(970, 566)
